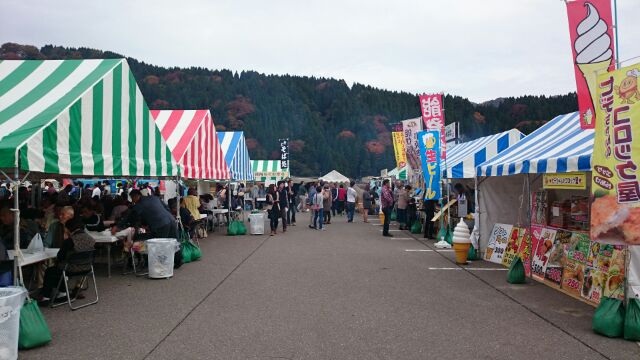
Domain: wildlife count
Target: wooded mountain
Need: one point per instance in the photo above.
(330, 125)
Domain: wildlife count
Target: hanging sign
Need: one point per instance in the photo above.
(568, 181)
(284, 153)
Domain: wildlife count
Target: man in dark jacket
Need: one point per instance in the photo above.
(284, 203)
(149, 211)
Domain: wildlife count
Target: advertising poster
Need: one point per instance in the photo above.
(525, 250)
(579, 248)
(544, 238)
(592, 284)
(615, 212)
(614, 274)
(398, 148)
(433, 117)
(498, 243)
(573, 277)
(410, 129)
(429, 142)
(557, 258)
(591, 33)
(513, 245)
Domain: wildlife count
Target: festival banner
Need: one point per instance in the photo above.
(433, 117)
(615, 212)
(498, 243)
(398, 148)
(284, 153)
(591, 32)
(429, 143)
(410, 128)
(565, 181)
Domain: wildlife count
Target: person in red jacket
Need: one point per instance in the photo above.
(342, 198)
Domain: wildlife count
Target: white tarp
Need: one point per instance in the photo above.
(334, 176)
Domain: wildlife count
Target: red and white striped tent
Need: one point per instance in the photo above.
(192, 138)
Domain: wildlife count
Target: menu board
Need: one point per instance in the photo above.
(544, 238)
(513, 245)
(498, 243)
(525, 250)
(557, 258)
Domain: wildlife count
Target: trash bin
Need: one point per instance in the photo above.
(161, 252)
(11, 300)
(256, 223)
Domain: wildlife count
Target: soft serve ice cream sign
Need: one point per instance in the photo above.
(591, 31)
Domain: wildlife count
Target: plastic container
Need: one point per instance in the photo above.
(256, 223)
(11, 300)
(161, 253)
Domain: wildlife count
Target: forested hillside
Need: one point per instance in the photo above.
(331, 125)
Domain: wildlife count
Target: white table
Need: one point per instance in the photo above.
(32, 258)
(105, 237)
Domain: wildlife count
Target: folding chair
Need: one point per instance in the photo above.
(78, 265)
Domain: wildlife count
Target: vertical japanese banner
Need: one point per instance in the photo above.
(284, 154)
(429, 142)
(433, 118)
(398, 148)
(615, 212)
(591, 32)
(410, 128)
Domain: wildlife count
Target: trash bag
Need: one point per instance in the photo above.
(632, 320)
(232, 230)
(190, 252)
(241, 229)
(186, 252)
(608, 320)
(472, 254)
(34, 331)
(416, 228)
(516, 274)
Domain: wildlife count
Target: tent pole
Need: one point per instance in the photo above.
(16, 226)
(476, 211)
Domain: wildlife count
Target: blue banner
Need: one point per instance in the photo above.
(429, 144)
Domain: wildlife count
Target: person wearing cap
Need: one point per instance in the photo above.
(149, 211)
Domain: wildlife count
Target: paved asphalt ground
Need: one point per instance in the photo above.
(343, 293)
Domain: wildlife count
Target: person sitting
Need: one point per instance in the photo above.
(151, 212)
(186, 220)
(192, 203)
(78, 241)
(92, 220)
(56, 233)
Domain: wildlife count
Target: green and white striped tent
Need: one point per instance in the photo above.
(268, 171)
(78, 117)
(399, 173)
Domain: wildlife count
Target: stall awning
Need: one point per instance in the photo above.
(463, 158)
(399, 173)
(558, 146)
(236, 155)
(192, 138)
(78, 117)
(268, 170)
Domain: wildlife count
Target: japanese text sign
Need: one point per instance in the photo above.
(284, 153)
(433, 117)
(429, 142)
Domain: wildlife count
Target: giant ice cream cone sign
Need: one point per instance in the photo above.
(591, 30)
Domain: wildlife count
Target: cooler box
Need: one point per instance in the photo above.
(161, 253)
(256, 223)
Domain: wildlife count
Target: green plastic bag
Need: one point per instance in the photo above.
(416, 228)
(472, 254)
(184, 249)
(516, 274)
(241, 228)
(191, 250)
(232, 230)
(632, 320)
(34, 331)
(608, 320)
(394, 216)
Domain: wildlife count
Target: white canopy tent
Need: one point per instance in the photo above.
(334, 176)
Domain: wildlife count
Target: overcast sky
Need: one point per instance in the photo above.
(477, 49)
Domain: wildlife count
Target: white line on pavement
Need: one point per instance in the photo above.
(418, 250)
(392, 230)
(471, 269)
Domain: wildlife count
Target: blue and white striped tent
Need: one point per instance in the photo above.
(236, 155)
(559, 146)
(463, 158)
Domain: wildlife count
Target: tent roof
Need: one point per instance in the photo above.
(463, 158)
(400, 173)
(191, 136)
(334, 176)
(268, 170)
(78, 117)
(558, 146)
(236, 154)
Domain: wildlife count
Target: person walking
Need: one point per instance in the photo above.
(386, 202)
(291, 213)
(334, 198)
(327, 204)
(311, 194)
(402, 200)
(342, 198)
(352, 195)
(272, 205)
(283, 200)
(366, 203)
(318, 207)
(302, 197)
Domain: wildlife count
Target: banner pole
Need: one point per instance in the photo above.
(615, 30)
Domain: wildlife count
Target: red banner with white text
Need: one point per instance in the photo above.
(433, 117)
